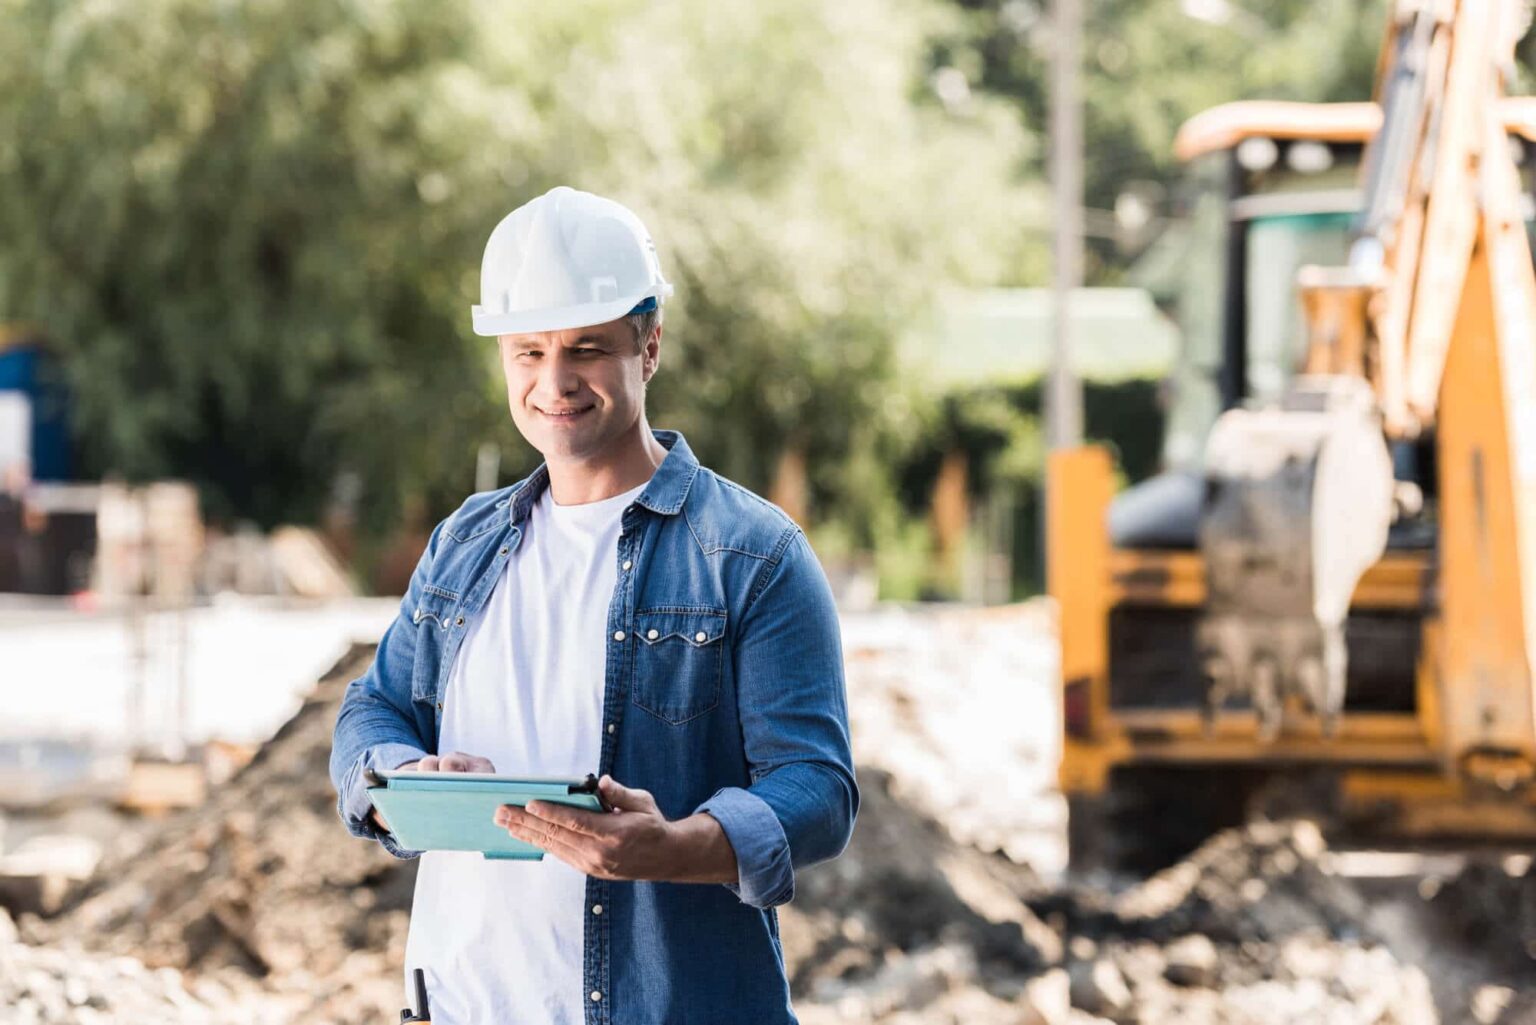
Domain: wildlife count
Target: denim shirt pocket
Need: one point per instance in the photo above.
(434, 611)
(679, 661)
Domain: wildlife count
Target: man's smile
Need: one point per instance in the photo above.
(564, 415)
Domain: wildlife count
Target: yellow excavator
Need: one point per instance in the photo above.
(1329, 596)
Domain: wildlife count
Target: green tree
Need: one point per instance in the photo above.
(1150, 65)
(227, 219)
(252, 229)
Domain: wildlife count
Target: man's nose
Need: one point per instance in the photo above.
(557, 375)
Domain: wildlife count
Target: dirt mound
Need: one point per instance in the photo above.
(262, 882)
(69, 986)
(1259, 925)
(1250, 928)
(261, 893)
(1490, 905)
(904, 886)
(1254, 884)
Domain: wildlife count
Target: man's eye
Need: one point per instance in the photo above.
(528, 354)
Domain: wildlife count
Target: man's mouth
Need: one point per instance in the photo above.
(565, 414)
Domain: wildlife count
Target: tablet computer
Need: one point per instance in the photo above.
(455, 811)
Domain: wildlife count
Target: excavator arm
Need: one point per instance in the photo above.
(1429, 328)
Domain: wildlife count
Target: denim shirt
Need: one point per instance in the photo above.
(723, 693)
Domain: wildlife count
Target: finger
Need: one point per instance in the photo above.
(427, 764)
(508, 814)
(577, 820)
(563, 844)
(626, 798)
(511, 814)
(576, 857)
(458, 761)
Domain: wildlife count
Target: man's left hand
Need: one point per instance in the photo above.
(633, 841)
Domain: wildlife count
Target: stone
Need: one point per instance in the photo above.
(1191, 961)
(1098, 987)
(1047, 999)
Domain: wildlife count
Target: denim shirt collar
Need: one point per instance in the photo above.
(665, 494)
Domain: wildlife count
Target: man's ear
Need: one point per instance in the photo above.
(650, 355)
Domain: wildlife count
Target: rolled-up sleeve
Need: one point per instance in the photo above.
(377, 726)
(804, 797)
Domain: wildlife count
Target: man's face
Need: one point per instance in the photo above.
(575, 393)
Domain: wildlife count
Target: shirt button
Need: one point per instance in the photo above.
(652, 634)
(618, 635)
(627, 564)
(416, 618)
(596, 995)
(701, 636)
(611, 727)
(597, 909)
(504, 550)
(460, 622)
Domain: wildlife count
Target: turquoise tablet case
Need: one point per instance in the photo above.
(455, 811)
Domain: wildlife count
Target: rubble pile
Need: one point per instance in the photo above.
(959, 706)
(1249, 928)
(258, 902)
(1256, 883)
(1486, 904)
(908, 912)
(909, 927)
(262, 883)
(67, 986)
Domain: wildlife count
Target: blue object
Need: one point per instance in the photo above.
(723, 694)
(26, 368)
(453, 811)
(644, 306)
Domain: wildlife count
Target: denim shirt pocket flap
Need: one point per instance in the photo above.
(678, 664)
(435, 610)
(697, 627)
(434, 607)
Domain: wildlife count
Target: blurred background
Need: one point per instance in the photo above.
(239, 241)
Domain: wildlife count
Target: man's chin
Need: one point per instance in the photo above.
(566, 446)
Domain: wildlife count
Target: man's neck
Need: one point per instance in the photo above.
(625, 467)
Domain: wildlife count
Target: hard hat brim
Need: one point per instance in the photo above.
(490, 324)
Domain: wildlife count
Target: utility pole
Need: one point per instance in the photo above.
(1064, 397)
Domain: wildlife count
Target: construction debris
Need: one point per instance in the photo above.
(262, 884)
(262, 907)
(65, 985)
(1249, 928)
(959, 706)
(42, 872)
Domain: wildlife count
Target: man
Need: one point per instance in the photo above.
(623, 611)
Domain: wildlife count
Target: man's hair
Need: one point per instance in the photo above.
(644, 324)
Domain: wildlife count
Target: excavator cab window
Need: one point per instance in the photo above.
(1248, 216)
(1276, 246)
(1192, 283)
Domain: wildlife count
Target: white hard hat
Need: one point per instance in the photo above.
(566, 259)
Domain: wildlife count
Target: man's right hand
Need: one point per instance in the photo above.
(454, 761)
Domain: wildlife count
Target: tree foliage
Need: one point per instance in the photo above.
(252, 229)
(1150, 65)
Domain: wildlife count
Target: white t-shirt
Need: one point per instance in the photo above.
(501, 941)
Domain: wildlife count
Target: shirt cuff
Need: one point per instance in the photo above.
(765, 877)
(357, 809)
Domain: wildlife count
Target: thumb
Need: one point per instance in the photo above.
(624, 798)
